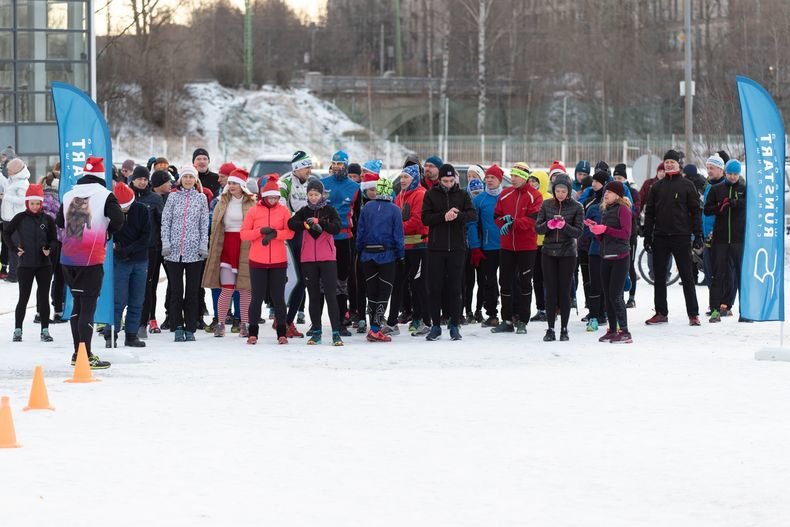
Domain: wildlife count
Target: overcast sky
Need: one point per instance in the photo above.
(120, 17)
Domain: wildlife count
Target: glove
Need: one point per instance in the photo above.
(203, 253)
(269, 236)
(405, 213)
(310, 220)
(598, 229)
(697, 243)
(266, 230)
(590, 222)
(556, 224)
(725, 204)
(477, 256)
(316, 228)
(165, 250)
(648, 246)
(505, 229)
(507, 218)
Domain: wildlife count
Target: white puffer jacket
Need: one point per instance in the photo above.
(14, 195)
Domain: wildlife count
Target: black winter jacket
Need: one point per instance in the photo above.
(327, 219)
(132, 241)
(34, 232)
(154, 203)
(447, 235)
(673, 208)
(210, 180)
(730, 223)
(560, 242)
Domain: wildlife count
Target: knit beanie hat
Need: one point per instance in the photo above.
(374, 166)
(495, 171)
(315, 184)
(475, 169)
(150, 164)
(672, 155)
(435, 161)
(160, 161)
(562, 180)
(586, 182)
(617, 187)
(139, 172)
(733, 166)
(300, 160)
(384, 189)
(583, 166)
(124, 195)
(159, 178)
(225, 169)
(340, 157)
(187, 170)
(475, 185)
(354, 168)
(448, 170)
(601, 177)
(521, 170)
(619, 170)
(128, 165)
(690, 170)
(723, 155)
(271, 188)
(199, 152)
(716, 161)
(413, 171)
(555, 168)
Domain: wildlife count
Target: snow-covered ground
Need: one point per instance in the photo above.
(683, 427)
(244, 125)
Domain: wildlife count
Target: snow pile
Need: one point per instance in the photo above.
(245, 125)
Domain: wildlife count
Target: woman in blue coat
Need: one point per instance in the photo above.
(380, 245)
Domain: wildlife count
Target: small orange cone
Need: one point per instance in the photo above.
(82, 370)
(7, 433)
(39, 400)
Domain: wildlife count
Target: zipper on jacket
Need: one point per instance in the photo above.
(729, 219)
(515, 214)
(447, 195)
(183, 226)
(558, 231)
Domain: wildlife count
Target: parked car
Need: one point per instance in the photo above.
(270, 164)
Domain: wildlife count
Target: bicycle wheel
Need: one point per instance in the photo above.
(644, 269)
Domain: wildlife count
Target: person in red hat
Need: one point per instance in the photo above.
(265, 229)
(36, 234)
(130, 267)
(90, 214)
(227, 265)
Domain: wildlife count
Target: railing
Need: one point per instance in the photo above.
(328, 84)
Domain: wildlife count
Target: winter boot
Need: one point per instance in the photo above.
(133, 341)
(292, 332)
(211, 328)
(478, 316)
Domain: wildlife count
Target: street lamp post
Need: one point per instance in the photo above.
(689, 90)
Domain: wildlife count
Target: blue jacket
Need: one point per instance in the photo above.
(380, 223)
(483, 233)
(709, 221)
(342, 194)
(594, 213)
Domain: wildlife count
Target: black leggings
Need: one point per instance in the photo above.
(378, 283)
(613, 273)
(149, 304)
(596, 301)
(445, 273)
(345, 261)
(516, 265)
(319, 276)
(58, 285)
(537, 281)
(43, 277)
(632, 270)
(558, 278)
(268, 283)
(470, 274)
(488, 282)
(82, 311)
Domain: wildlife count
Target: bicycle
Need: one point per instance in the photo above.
(672, 274)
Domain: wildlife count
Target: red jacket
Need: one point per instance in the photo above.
(522, 205)
(416, 234)
(273, 254)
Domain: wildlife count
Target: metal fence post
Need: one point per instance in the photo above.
(625, 151)
(564, 150)
(504, 152)
(482, 148)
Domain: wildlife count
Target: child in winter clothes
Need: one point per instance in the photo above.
(265, 228)
(380, 244)
(184, 247)
(483, 235)
(36, 234)
(614, 233)
(227, 264)
(318, 223)
(561, 219)
(130, 266)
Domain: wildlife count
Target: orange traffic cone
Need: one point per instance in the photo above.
(82, 369)
(38, 393)
(7, 434)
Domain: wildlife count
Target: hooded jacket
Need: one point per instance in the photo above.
(561, 242)
(14, 196)
(380, 226)
(543, 178)
(342, 193)
(484, 232)
(447, 235)
(35, 233)
(410, 202)
(522, 204)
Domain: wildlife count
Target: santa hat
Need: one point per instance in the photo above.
(239, 176)
(34, 192)
(557, 168)
(271, 188)
(124, 195)
(226, 168)
(369, 180)
(94, 166)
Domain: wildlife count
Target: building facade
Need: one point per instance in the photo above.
(41, 41)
